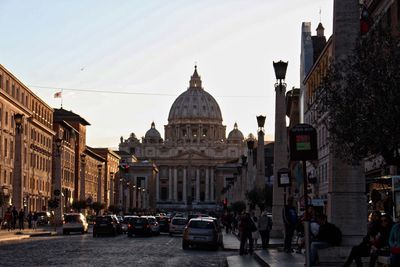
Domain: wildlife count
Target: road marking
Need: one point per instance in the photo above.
(169, 242)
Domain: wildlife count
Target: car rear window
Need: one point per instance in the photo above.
(72, 218)
(201, 224)
(179, 221)
(103, 219)
(139, 220)
(151, 220)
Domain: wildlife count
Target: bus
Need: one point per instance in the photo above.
(384, 195)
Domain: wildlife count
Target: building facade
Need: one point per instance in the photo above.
(195, 143)
(25, 153)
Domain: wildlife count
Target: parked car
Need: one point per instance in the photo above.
(125, 222)
(154, 226)
(202, 231)
(74, 222)
(163, 223)
(139, 226)
(177, 225)
(106, 224)
(43, 217)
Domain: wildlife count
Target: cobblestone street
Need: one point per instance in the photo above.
(84, 250)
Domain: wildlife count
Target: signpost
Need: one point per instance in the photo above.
(303, 147)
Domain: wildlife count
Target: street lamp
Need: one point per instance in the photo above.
(280, 146)
(99, 182)
(18, 118)
(57, 197)
(17, 170)
(261, 121)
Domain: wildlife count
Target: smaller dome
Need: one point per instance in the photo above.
(153, 133)
(235, 134)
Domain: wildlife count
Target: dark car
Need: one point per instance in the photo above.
(106, 224)
(139, 226)
(43, 217)
(163, 222)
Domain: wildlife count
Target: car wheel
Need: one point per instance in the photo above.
(130, 235)
(94, 235)
(170, 234)
(185, 245)
(64, 232)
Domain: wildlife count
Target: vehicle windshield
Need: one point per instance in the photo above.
(201, 224)
(103, 219)
(139, 221)
(179, 221)
(72, 218)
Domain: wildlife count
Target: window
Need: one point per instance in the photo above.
(8, 86)
(13, 90)
(6, 118)
(1, 81)
(5, 147)
(5, 176)
(11, 149)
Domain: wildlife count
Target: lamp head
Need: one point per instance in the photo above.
(18, 118)
(280, 69)
(58, 142)
(261, 121)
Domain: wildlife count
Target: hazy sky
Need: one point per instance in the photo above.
(142, 54)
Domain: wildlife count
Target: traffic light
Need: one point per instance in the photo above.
(225, 203)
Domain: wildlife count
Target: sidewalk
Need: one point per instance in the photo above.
(17, 234)
(273, 257)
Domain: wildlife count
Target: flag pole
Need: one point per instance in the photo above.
(61, 98)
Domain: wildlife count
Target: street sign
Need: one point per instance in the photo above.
(283, 177)
(303, 142)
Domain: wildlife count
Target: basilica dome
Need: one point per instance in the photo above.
(152, 133)
(235, 134)
(195, 104)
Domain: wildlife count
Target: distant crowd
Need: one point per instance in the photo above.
(12, 217)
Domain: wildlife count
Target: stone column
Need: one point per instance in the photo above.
(346, 195)
(207, 193)
(184, 197)
(197, 185)
(212, 184)
(82, 191)
(280, 158)
(260, 178)
(99, 183)
(170, 184)
(17, 168)
(158, 187)
(128, 197)
(134, 196)
(112, 188)
(120, 193)
(175, 184)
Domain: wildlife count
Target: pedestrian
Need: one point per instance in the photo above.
(264, 227)
(14, 217)
(35, 218)
(380, 246)
(255, 234)
(394, 244)
(364, 248)
(290, 218)
(21, 218)
(8, 218)
(328, 235)
(246, 227)
(30, 215)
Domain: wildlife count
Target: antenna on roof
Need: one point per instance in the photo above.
(320, 14)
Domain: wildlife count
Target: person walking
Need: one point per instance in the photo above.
(394, 244)
(264, 227)
(8, 218)
(255, 234)
(290, 220)
(35, 218)
(21, 218)
(246, 227)
(14, 217)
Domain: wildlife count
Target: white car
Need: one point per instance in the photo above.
(75, 222)
(177, 225)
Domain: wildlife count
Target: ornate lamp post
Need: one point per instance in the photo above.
(280, 146)
(58, 209)
(260, 152)
(82, 192)
(17, 171)
(99, 183)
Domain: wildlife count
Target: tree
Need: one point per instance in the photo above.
(256, 197)
(79, 205)
(97, 207)
(238, 207)
(361, 96)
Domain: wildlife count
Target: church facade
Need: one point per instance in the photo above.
(195, 159)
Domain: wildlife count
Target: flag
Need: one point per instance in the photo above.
(58, 95)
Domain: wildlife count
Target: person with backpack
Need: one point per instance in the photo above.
(290, 219)
(328, 235)
(264, 227)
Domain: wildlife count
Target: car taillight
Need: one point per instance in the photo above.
(94, 222)
(130, 225)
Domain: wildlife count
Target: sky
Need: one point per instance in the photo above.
(121, 64)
